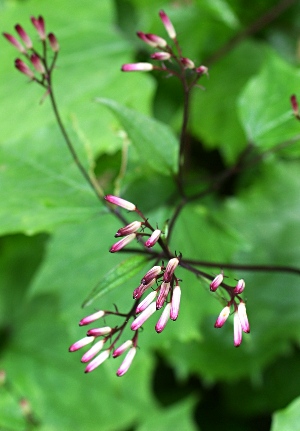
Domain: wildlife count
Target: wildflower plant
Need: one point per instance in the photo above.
(161, 252)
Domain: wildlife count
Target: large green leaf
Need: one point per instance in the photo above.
(287, 419)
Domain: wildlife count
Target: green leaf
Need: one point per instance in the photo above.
(287, 419)
(155, 143)
(264, 105)
(117, 276)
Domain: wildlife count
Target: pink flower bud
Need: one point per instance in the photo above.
(175, 302)
(243, 317)
(146, 302)
(171, 266)
(163, 320)
(216, 282)
(39, 24)
(92, 352)
(167, 24)
(120, 202)
(137, 67)
(22, 67)
(97, 332)
(186, 62)
(91, 318)
(124, 367)
(81, 343)
(153, 273)
(124, 241)
(145, 39)
(239, 288)
(121, 349)
(163, 293)
(161, 56)
(97, 361)
(153, 238)
(11, 39)
(201, 70)
(159, 41)
(37, 64)
(141, 319)
(54, 45)
(139, 291)
(24, 36)
(295, 105)
(237, 330)
(223, 316)
(130, 228)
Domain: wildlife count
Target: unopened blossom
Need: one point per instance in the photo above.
(239, 288)
(188, 63)
(146, 302)
(97, 332)
(81, 343)
(122, 243)
(121, 349)
(53, 42)
(145, 39)
(163, 293)
(216, 282)
(14, 42)
(37, 64)
(161, 56)
(39, 24)
(124, 367)
(157, 40)
(153, 238)
(93, 351)
(170, 268)
(137, 67)
(22, 67)
(237, 329)
(151, 274)
(91, 318)
(167, 24)
(120, 202)
(139, 291)
(175, 302)
(97, 361)
(163, 320)
(201, 70)
(223, 316)
(24, 36)
(130, 228)
(141, 319)
(243, 317)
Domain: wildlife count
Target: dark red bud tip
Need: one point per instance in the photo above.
(294, 104)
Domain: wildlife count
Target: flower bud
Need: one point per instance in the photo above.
(153, 238)
(223, 316)
(122, 243)
(153, 273)
(175, 302)
(37, 64)
(130, 228)
(92, 352)
(39, 24)
(97, 361)
(163, 320)
(186, 62)
(171, 266)
(141, 319)
(11, 39)
(139, 291)
(145, 39)
(22, 67)
(121, 349)
(120, 202)
(158, 41)
(124, 367)
(137, 67)
(98, 332)
(163, 293)
(167, 24)
(237, 330)
(24, 36)
(81, 343)
(243, 317)
(54, 45)
(161, 56)
(146, 302)
(91, 318)
(239, 288)
(201, 70)
(216, 282)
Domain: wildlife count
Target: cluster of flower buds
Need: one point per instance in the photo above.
(240, 321)
(295, 106)
(35, 65)
(165, 52)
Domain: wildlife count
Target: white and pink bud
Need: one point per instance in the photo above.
(223, 316)
(98, 332)
(39, 24)
(139, 291)
(171, 266)
(54, 45)
(202, 70)
(11, 39)
(37, 64)
(157, 40)
(23, 68)
(153, 238)
(187, 63)
(24, 36)
(120, 202)
(93, 351)
(130, 228)
(239, 288)
(146, 302)
(81, 343)
(152, 274)
(216, 282)
(141, 319)
(163, 320)
(137, 67)
(121, 349)
(124, 367)
(122, 243)
(92, 318)
(145, 39)
(161, 56)
(175, 302)
(97, 361)
(237, 329)
(243, 317)
(163, 293)
(167, 24)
